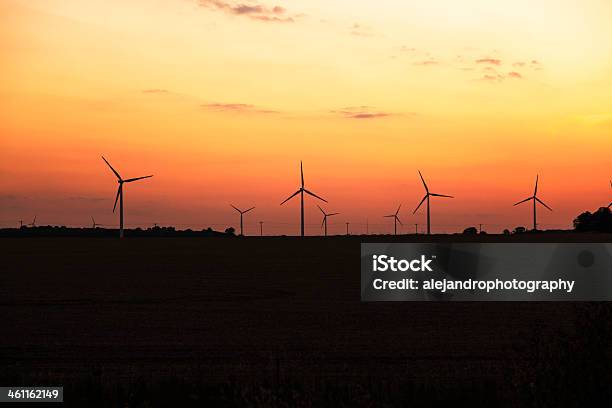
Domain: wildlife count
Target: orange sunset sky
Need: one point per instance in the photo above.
(221, 99)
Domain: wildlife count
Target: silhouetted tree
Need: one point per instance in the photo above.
(230, 231)
(599, 221)
(519, 230)
(506, 231)
(470, 231)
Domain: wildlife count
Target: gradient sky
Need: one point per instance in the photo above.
(221, 99)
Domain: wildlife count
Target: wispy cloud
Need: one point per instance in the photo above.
(427, 62)
(492, 61)
(361, 30)
(235, 108)
(252, 10)
(360, 112)
(492, 77)
(514, 74)
(155, 91)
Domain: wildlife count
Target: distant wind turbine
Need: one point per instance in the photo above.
(395, 218)
(535, 199)
(427, 195)
(33, 223)
(301, 192)
(241, 214)
(93, 223)
(20, 223)
(325, 215)
(119, 195)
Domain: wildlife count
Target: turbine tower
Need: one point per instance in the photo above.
(610, 205)
(427, 195)
(241, 214)
(535, 199)
(119, 195)
(395, 218)
(325, 215)
(301, 192)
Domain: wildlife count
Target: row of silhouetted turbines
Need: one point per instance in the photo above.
(301, 190)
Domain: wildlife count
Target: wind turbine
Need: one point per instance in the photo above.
(119, 195)
(535, 199)
(395, 218)
(325, 215)
(241, 214)
(33, 223)
(610, 205)
(427, 195)
(20, 223)
(301, 192)
(93, 223)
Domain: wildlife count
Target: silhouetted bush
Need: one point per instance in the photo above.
(470, 231)
(599, 221)
(519, 230)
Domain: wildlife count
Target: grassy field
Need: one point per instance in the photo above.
(276, 322)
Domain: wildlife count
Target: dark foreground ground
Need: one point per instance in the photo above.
(277, 322)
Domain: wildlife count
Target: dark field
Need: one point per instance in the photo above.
(277, 322)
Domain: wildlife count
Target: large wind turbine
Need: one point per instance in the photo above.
(610, 205)
(325, 215)
(119, 195)
(301, 192)
(241, 214)
(395, 218)
(427, 195)
(535, 199)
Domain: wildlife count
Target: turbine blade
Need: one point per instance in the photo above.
(440, 195)
(323, 222)
(136, 178)
(535, 191)
(527, 199)
(398, 208)
(117, 197)
(398, 220)
(235, 208)
(542, 202)
(418, 206)
(111, 167)
(389, 216)
(291, 196)
(314, 195)
(244, 212)
(423, 180)
(329, 215)
(321, 209)
(302, 173)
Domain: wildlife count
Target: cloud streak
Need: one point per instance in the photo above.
(252, 10)
(235, 108)
(360, 112)
(491, 61)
